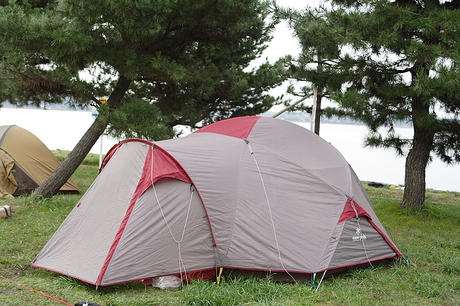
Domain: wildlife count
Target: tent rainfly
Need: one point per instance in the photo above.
(249, 194)
(25, 163)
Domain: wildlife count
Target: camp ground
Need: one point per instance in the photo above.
(243, 194)
(25, 163)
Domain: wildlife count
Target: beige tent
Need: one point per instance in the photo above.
(247, 194)
(25, 163)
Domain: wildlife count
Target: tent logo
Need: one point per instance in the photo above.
(360, 236)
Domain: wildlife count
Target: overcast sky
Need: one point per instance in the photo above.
(283, 42)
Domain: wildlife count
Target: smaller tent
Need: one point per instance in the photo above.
(25, 163)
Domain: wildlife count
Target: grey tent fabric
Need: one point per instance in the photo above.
(249, 193)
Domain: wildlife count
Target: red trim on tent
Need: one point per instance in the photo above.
(173, 169)
(390, 243)
(144, 183)
(203, 274)
(359, 263)
(352, 208)
(115, 147)
(109, 155)
(60, 272)
(311, 272)
(164, 165)
(239, 127)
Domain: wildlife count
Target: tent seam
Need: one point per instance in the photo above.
(237, 193)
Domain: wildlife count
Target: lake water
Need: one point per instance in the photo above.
(63, 129)
(379, 165)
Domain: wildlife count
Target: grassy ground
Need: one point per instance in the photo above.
(429, 238)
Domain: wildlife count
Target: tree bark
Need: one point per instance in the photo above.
(316, 110)
(415, 185)
(417, 159)
(64, 171)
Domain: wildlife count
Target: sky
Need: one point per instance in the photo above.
(284, 43)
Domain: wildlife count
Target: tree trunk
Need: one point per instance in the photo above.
(416, 161)
(65, 170)
(316, 110)
(317, 96)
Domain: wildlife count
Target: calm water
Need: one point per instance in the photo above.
(63, 129)
(381, 165)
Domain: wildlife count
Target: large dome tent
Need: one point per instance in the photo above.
(249, 194)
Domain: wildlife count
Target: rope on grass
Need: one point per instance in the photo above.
(44, 294)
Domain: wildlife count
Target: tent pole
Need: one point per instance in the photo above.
(321, 280)
(100, 152)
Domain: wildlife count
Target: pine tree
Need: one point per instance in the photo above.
(318, 65)
(405, 65)
(160, 63)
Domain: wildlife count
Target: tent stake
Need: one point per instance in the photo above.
(321, 280)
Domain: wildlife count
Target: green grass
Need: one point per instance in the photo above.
(90, 160)
(430, 238)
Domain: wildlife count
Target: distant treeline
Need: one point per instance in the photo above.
(306, 117)
(50, 106)
(289, 116)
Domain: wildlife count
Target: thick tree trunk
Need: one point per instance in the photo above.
(417, 159)
(65, 170)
